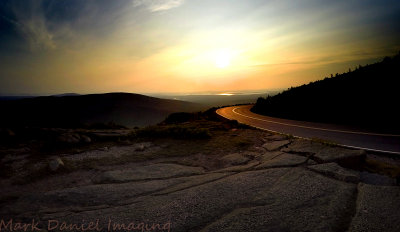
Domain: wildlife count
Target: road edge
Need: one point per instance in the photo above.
(390, 153)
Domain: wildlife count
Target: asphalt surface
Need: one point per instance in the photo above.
(345, 136)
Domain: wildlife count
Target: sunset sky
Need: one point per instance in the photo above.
(187, 46)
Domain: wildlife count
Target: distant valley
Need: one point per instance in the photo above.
(222, 99)
(72, 110)
(126, 109)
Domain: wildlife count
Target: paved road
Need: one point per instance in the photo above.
(339, 134)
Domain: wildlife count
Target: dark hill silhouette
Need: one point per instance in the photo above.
(367, 97)
(74, 111)
(65, 95)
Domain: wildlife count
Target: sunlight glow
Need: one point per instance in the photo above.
(157, 46)
(222, 59)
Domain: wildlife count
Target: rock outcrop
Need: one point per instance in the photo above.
(274, 185)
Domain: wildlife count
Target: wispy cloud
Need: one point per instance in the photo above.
(158, 5)
(32, 25)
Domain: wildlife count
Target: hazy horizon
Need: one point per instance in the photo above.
(187, 46)
(226, 93)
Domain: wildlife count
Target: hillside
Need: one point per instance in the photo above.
(366, 97)
(74, 111)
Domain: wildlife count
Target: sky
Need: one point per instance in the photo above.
(187, 46)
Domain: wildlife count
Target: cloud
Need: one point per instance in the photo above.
(31, 23)
(158, 5)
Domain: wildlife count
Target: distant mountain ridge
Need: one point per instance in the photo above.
(75, 110)
(367, 97)
(66, 94)
(221, 100)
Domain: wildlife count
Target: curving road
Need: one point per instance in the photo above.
(341, 135)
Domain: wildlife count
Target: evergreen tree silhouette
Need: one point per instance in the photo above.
(366, 97)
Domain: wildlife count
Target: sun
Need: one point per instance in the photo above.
(222, 59)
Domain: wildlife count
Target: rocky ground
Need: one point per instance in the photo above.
(235, 179)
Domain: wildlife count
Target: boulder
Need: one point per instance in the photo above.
(270, 155)
(85, 139)
(55, 163)
(376, 179)
(377, 209)
(325, 154)
(283, 160)
(275, 145)
(276, 137)
(70, 138)
(141, 146)
(235, 159)
(337, 154)
(337, 172)
(304, 146)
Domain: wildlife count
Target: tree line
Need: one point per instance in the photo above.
(366, 97)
